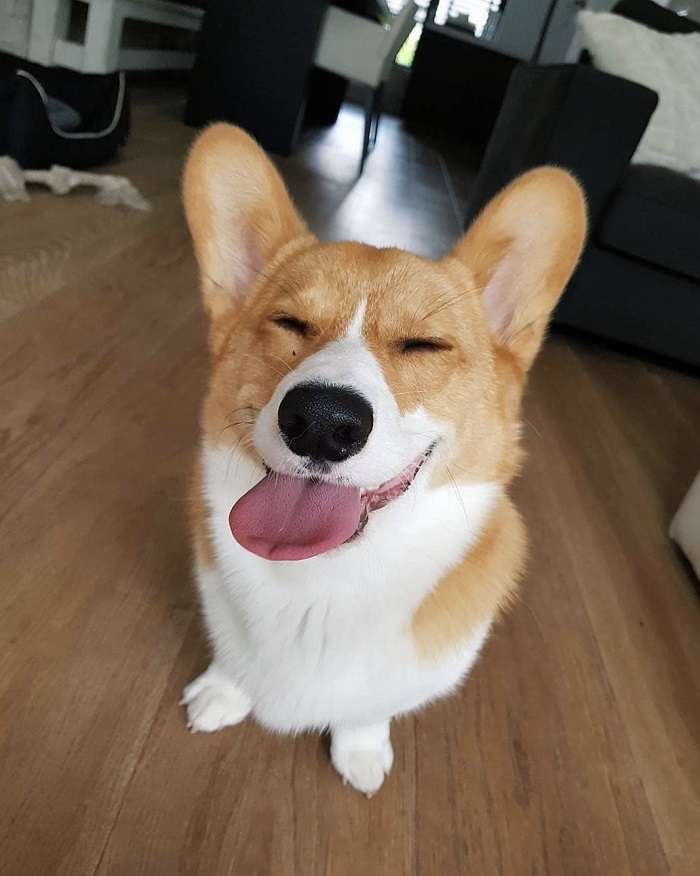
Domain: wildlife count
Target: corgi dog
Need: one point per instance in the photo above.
(353, 533)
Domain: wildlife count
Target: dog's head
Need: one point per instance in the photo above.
(343, 370)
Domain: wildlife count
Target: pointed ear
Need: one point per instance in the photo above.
(238, 212)
(522, 250)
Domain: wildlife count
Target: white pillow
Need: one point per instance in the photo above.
(685, 527)
(669, 64)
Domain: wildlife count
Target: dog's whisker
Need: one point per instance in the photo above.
(263, 362)
(461, 468)
(452, 301)
(534, 428)
(460, 498)
(286, 364)
(417, 392)
(434, 300)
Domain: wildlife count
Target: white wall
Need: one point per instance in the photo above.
(14, 26)
(523, 21)
(521, 25)
(562, 43)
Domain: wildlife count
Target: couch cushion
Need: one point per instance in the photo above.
(655, 216)
(669, 64)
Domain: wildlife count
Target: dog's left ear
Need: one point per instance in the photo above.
(522, 250)
(238, 212)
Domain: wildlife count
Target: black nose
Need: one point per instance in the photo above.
(324, 422)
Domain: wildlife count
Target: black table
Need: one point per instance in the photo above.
(253, 65)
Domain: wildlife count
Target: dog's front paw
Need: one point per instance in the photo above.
(214, 701)
(363, 757)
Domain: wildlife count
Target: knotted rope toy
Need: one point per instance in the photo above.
(111, 190)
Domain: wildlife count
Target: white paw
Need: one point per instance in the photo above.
(364, 769)
(214, 701)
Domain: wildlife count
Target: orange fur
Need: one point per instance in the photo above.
(199, 520)
(477, 590)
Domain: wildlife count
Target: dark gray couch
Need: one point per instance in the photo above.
(639, 278)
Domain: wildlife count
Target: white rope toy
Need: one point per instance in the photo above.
(111, 190)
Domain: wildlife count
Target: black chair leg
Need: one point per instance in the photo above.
(373, 104)
(376, 113)
(369, 113)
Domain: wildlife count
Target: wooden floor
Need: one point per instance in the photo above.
(573, 749)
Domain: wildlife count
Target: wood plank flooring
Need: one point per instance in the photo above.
(574, 748)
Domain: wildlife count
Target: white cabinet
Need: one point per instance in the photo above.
(39, 31)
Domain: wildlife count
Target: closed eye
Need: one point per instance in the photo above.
(424, 345)
(291, 324)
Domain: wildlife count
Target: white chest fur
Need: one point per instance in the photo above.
(327, 641)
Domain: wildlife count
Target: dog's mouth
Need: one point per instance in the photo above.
(292, 518)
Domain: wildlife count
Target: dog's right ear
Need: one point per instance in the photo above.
(238, 212)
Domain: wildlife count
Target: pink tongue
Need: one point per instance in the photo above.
(285, 518)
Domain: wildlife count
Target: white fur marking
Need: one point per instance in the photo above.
(363, 756)
(354, 330)
(396, 439)
(286, 633)
(214, 701)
